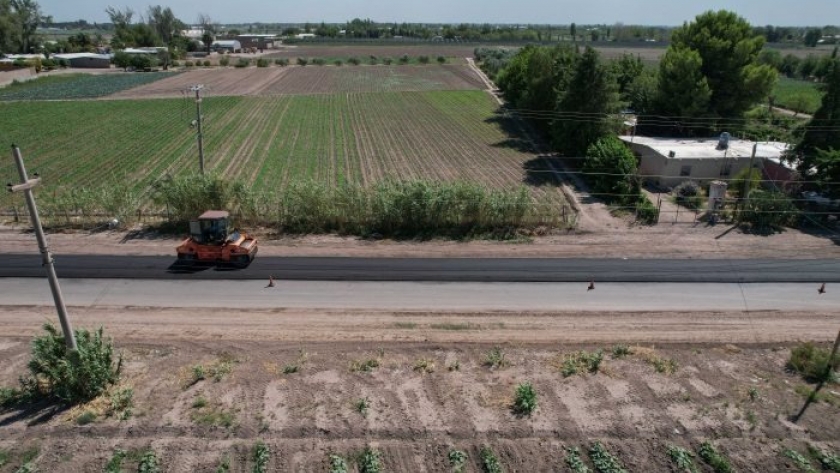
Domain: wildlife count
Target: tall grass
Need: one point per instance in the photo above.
(411, 209)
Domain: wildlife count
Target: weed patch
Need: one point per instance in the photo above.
(114, 465)
(801, 462)
(828, 461)
(364, 366)
(338, 464)
(812, 363)
(260, 456)
(424, 365)
(361, 406)
(148, 463)
(370, 461)
(581, 362)
(621, 351)
(489, 462)
(224, 464)
(574, 461)
(86, 418)
(214, 416)
(710, 455)
(495, 358)
(603, 461)
(682, 459)
(457, 460)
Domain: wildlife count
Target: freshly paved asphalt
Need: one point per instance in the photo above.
(438, 269)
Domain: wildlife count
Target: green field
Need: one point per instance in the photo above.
(797, 95)
(77, 86)
(266, 142)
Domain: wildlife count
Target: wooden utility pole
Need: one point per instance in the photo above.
(197, 89)
(26, 186)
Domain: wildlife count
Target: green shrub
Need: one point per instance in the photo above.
(85, 418)
(364, 365)
(829, 461)
(302, 61)
(582, 361)
(262, 62)
(423, 59)
(207, 63)
(243, 62)
(740, 179)
(361, 406)
(148, 463)
(338, 464)
(260, 456)
(371, 461)
(603, 461)
(338, 62)
(812, 363)
(404, 59)
(318, 61)
(574, 461)
(354, 61)
(611, 171)
(489, 462)
(689, 194)
(646, 212)
(525, 399)
(387, 61)
(71, 377)
(114, 465)
(373, 60)
(718, 462)
(457, 460)
(682, 459)
(495, 358)
(224, 464)
(620, 351)
(441, 60)
(281, 62)
(224, 61)
(801, 462)
(769, 210)
(189, 64)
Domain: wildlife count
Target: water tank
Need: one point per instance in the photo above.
(723, 141)
(717, 192)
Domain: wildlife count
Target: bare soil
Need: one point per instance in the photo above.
(431, 391)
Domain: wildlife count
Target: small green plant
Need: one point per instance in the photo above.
(198, 374)
(620, 351)
(260, 457)
(387, 61)
(189, 64)
(262, 62)
(114, 465)
(404, 59)
(424, 365)
(291, 369)
(489, 462)
(495, 358)
(338, 464)
(603, 461)
(441, 60)
(751, 419)
(682, 458)
(224, 61)
(371, 461)
(423, 59)
(354, 61)
(26, 468)
(148, 463)
(302, 61)
(689, 194)
(224, 464)
(525, 399)
(457, 460)
(4, 457)
(281, 62)
(120, 403)
(365, 366)
(582, 361)
(801, 462)
(574, 461)
(830, 462)
(361, 406)
(812, 363)
(710, 455)
(207, 63)
(199, 402)
(242, 62)
(753, 394)
(664, 365)
(85, 418)
(454, 366)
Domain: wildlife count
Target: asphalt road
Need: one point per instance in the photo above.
(424, 296)
(438, 269)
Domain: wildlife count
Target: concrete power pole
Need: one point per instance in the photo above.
(197, 89)
(748, 180)
(26, 186)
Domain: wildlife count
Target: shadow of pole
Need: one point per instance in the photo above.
(830, 367)
(810, 400)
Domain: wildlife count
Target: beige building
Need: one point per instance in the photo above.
(670, 161)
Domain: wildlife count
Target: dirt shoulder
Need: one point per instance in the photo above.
(293, 380)
(683, 240)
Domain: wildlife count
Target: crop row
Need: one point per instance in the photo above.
(78, 86)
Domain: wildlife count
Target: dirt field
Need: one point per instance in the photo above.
(295, 80)
(431, 391)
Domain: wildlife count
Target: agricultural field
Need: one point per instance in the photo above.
(797, 95)
(269, 142)
(311, 385)
(296, 80)
(78, 86)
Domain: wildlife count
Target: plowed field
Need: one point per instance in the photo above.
(301, 395)
(296, 80)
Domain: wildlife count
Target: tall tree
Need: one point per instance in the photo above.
(812, 37)
(683, 89)
(26, 17)
(584, 109)
(821, 132)
(728, 50)
(165, 24)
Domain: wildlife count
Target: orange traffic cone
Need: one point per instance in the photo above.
(270, 281)
(821, 290)
(591, 286)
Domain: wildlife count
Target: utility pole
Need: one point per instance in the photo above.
(26, 186)
(832, 364)
(197, 89)
(748, 180)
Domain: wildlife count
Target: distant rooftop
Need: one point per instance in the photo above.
(697, 148)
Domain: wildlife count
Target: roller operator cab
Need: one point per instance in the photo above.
(212, 241)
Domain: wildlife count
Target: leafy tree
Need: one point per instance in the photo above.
(165, 24)
(122, 59)
(626, 70)
(642, 92)
(728, 52)
(592, 93)
(611, 169)
(19, 20)
(812, 37)
(821, 132)
(770, 57)
(789, 65)
(683, 88)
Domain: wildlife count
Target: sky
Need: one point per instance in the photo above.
(637, 12)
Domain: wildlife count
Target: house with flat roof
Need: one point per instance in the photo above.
(670, 161)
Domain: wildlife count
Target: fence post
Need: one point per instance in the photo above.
(17, 217)
(659, 209)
